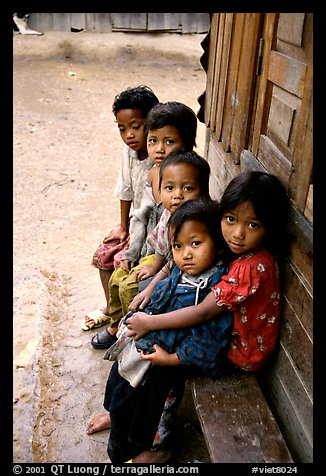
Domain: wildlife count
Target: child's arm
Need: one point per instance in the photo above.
(145, 272)
(161, 357)
(121, 231)
(142, 299)
(141, 323)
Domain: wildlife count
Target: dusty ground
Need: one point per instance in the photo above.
(66, 156)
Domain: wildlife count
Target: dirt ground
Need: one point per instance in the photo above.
(66, 157)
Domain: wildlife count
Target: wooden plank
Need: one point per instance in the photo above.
(301, 249)
(303, 150)
(90, 21)
(291, 333)
(223, 73)
(263, 91)
(290, 28)
(308, 212)
(232, 102)
(61, 21)
(222, 168)
(138, 21)
(244, 88)
(103, 22)
(287, 73)
(273, 160)
(163, 21)
(211, 68)
(78, 20)
(120, 21)
(218, 56)
(237, 423)
(299, 294)
(41, 21)
(194, 22)
(298, 436)
(281, 116)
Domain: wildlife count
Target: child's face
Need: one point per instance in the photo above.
(131, 128)
(161, 142)
(180, 182)
(193, 249)
(241, 229)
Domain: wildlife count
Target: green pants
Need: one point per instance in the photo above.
(123, 287)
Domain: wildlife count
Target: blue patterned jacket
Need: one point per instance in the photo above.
(203, 346)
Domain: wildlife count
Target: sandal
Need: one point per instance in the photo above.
(97, 319)
(103, 340)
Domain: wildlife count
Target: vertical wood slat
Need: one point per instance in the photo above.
(61, 21)
(211, 68)
(223, 74)
(217, 58)
(258, 125)
(106, 22)
(41, 21)
(103, 22)
(163, 21)
(303, 151)
(194, 22)
(78, 20)
(231, 102)
(245, 85)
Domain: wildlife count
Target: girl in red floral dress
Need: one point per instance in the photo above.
(254, 219)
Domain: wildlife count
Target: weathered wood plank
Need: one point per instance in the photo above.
(223, 73)
(292, 333)
(263, 89)
(298, 293)
(231, 102)
(287, 73)
(194, 22)
(273, 160)
(290, 28)
(62, 21)
(237, 423)
(163, 21)
(288, 398)
(242, 100)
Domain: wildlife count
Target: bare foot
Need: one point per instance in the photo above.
(152, 457)
(98, 423)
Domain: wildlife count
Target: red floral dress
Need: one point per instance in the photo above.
(252, 290)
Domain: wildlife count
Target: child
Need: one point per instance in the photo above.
(130, 108)
(183, 176)
(254, 217)
(135, 409)
(169, 127)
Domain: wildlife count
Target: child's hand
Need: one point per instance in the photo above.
(138, 325)
(126, 265)
(140, 300)
(118, 233)
(159, 357)
(144, 272)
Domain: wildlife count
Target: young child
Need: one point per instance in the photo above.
(135, 408)
(169, 127)
(130, 109)
(183, 176)
(254, 218)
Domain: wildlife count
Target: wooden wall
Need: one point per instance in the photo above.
(258, 111)
(107, 22)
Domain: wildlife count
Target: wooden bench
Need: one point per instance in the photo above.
(237, 422)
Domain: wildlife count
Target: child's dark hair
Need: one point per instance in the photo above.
(174, 114)
(191, 158)
(140, 97)
(270, 201)
(203, 210)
